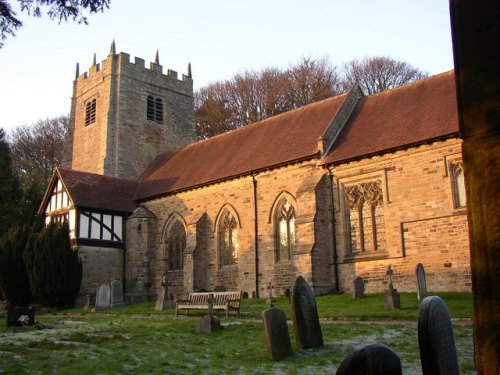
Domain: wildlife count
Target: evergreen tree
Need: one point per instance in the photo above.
(54, 269)
(9, 188)
(14, 280)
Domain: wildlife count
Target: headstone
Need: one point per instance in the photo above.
(117, 294)
(220, 288)
(209, 324)
(103, 296)
(163, 301)
(276, 331)
(421, 283)
(270, 300)
(88, 305)
(373, 359)
(359, 288)
(438, 354)
(305, 316)
(392, 300)
(20, 316)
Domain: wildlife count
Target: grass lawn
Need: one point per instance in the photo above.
(135, 339)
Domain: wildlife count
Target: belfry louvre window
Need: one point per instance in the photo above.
(90, 108)
(285, 231)
(228, 239)
(365, 217)
(154, 109)
(176, 243)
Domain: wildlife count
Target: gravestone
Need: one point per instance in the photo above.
(270, 300)
(359, 288)
(276, 331)
(209, 323)
(20, 316)
(88, 302)
(103, 296)
(421, 283)
(438, 354)
(373, 359)
(116, 294)
(163, 301)
(305, 316)
(392, 300)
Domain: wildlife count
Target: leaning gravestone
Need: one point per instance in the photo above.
(392, 300)
(305, 316)
(209, 323)
(116, 294)
(438, 354)
(359, 288)
(103, 296)
(421, 283)
(372, 359)
(276, 331)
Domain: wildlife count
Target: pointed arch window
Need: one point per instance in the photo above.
(458, 180)
(285, 230)
(175, 245)
(154, 109)
(364, 203)
(228, 239)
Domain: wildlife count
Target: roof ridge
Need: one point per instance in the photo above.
(409, 86)
(94, 174)
(263, 121)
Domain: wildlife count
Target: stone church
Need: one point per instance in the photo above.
(335, 190)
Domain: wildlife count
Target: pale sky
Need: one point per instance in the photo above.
(219, 38)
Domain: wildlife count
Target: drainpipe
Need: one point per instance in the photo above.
(334, 233)
(256, 237)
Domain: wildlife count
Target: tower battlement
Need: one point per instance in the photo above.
(124, 114)
(137, 68)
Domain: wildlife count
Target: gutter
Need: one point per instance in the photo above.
(254, 181)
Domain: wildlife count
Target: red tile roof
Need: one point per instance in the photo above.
(95, 191)
(411, 114)
(408, 115)
(277, 140)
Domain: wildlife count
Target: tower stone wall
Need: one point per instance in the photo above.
(121, 141)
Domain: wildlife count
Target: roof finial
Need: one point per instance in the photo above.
(77, 72)
(94, 61)
(112, 50)
(157, 57)
(190, 75)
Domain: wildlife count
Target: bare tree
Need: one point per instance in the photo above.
(57, 9)
(253, 96)
(376, 74)
(36, 151)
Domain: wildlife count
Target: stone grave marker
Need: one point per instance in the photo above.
(392, 298)
(116, 294)
(421, 283)
(103, 296)
(209, 323)
(305, 316)
(270, 300)
(276, 331)
(373, 359)
(438, 354)
(359, 288)
(163, 301)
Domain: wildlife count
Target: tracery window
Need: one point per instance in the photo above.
(364, 203)
(90, 109)
(285, 230)
(457, 174)
(228, 239)
(176, 243)
(154, 109)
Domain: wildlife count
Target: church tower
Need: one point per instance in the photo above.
(123, 115)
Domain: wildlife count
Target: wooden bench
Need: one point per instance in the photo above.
(225, 301)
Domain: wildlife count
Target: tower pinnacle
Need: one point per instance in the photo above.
(157, 57)
(94, 60)
(112, 50)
